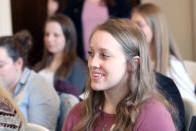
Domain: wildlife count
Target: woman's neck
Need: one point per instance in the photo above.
(112, 99)
(56, 62)
(12, 87)
(95, 1)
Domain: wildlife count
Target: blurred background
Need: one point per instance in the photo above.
(20, 14)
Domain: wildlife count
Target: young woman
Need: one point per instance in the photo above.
(121, 89)
(60, 61)
(164, 55)
(38, 101)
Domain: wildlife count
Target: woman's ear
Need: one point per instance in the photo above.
(136, 59)
(19, 64)
(133, 63)
(129, 66)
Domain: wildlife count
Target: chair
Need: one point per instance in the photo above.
(193, 124)
(67, 102)
(190, 111)
(35, 127)
(191, 69)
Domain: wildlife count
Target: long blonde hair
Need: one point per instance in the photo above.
(162, 41)
(141, 82)
(5, 96)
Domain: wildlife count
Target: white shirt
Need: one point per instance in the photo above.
(185, 85)
(48, 76)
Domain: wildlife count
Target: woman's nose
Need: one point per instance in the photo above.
(94, 62)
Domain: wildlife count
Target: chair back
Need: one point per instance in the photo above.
(191, 69)
(190, 111)
(193, 124)
(67, 102)
(35, 127)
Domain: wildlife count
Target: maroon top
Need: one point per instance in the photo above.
(153, 117)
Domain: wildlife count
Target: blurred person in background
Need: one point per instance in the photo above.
(60, 62)
(37, 100)
(163, 51)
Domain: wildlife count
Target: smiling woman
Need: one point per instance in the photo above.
(102, 58)
(121, 90)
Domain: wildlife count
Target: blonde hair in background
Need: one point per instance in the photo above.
(162, 41)
(5, 95)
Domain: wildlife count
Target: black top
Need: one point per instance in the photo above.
(193, 124)
(170, 90)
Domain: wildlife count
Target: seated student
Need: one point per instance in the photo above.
(163, 51)
(122, 93)
(164, 56)
(60, 62)
(170, 91)
(10, 116)
(38, 102)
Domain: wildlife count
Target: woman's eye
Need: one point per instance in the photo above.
(56, 35)
(103, 55)
(46, 34)
(90, 53)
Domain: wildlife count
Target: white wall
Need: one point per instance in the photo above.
(5, 18)
(179, 14)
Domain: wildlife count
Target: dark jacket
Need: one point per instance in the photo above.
(170, 90)
(74, 8)
(75, 81)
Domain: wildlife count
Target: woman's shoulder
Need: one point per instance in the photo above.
(73, 117)
(38, 85)
(152, 111)
(79, 66)
(75, 111)
(152, 104)
(37, 79)
(174, 61)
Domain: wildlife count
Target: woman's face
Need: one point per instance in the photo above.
(52, 7)
(9, 70)
(54, 38)
(107, 62)
(140, 21)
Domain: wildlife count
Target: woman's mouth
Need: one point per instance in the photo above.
(96, 76)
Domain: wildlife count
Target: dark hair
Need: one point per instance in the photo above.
(69, 55)
(62, 5)
(66, 3)
(17, 46)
